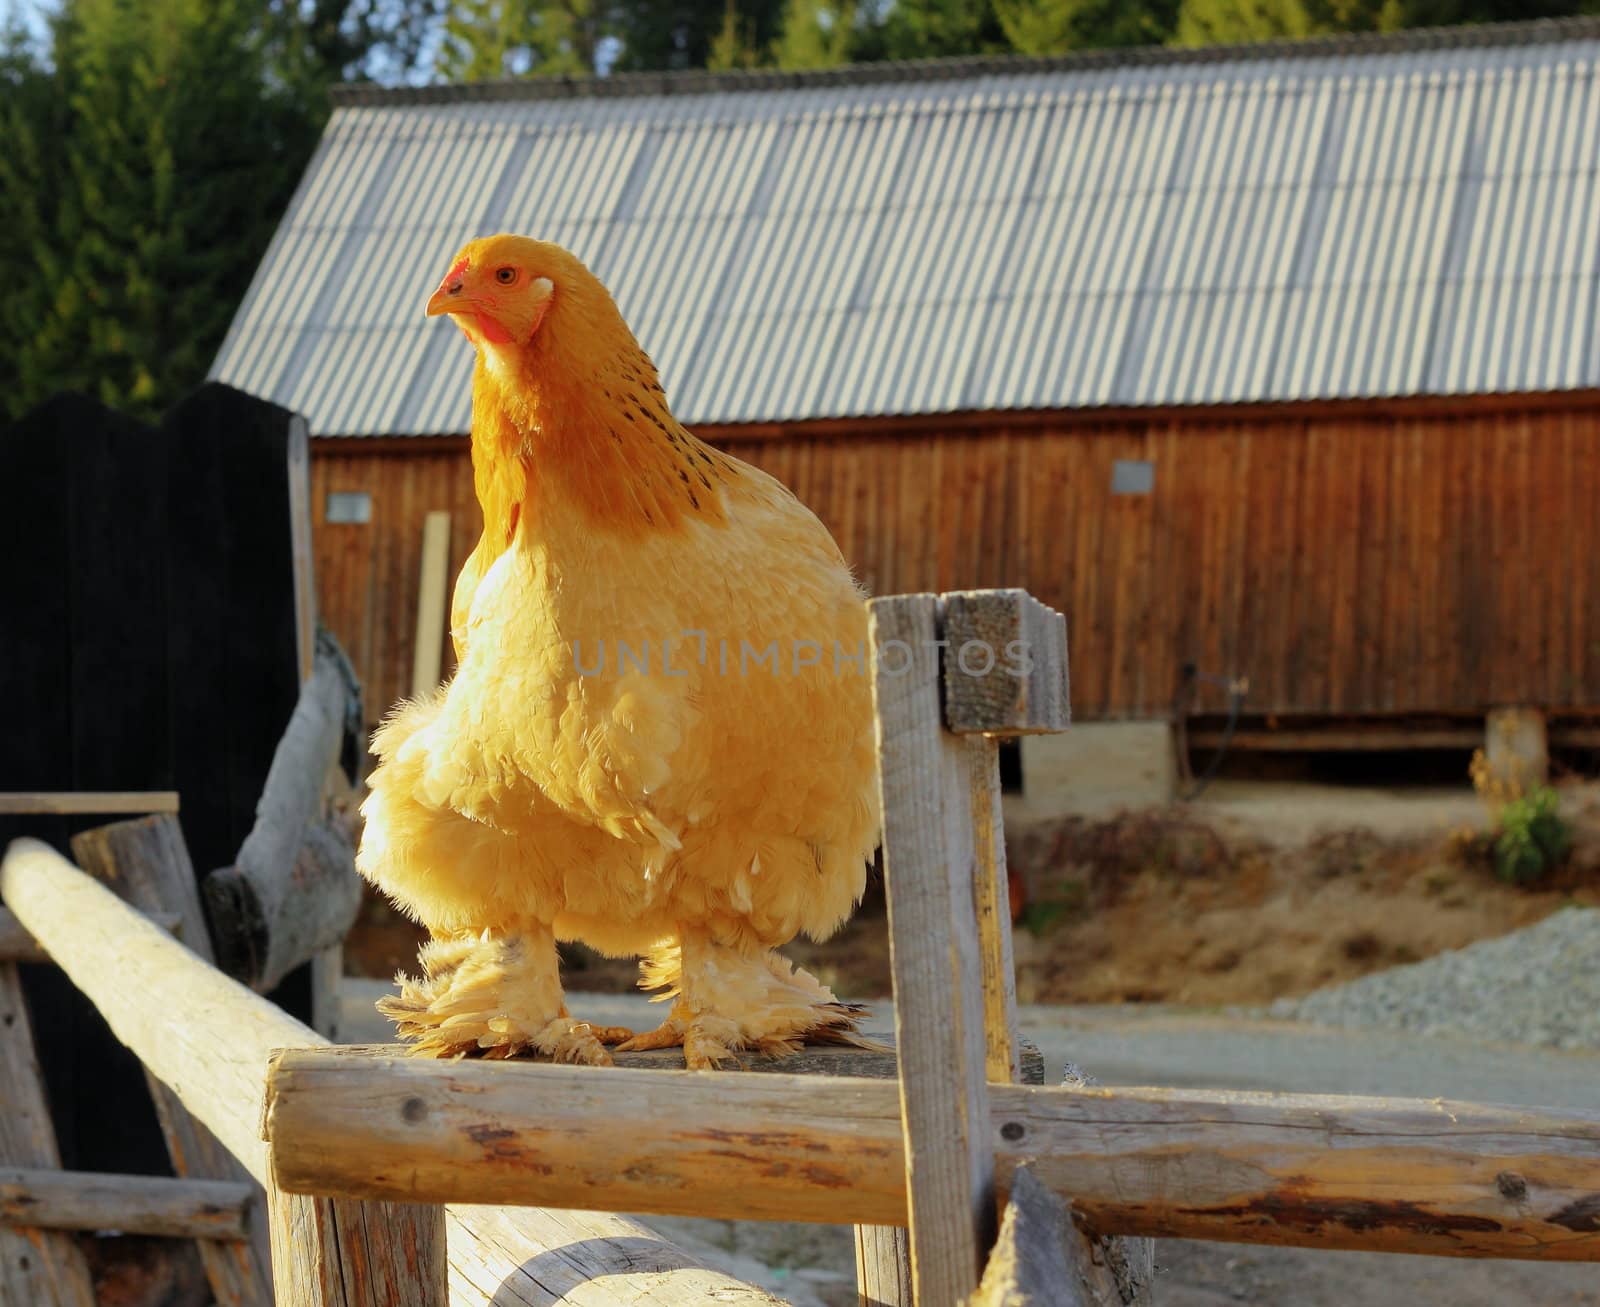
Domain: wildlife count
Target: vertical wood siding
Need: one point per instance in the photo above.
(1429, 564)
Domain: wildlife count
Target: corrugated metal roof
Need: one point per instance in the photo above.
(1323, 220)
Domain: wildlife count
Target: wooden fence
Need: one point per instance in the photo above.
(361, 1153)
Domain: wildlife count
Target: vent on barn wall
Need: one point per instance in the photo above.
(348, 508)
(1132, 477)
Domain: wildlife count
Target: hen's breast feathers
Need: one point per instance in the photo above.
(686, 673)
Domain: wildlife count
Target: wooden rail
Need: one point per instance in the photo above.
(86, 803)
(134, 1204)
(1319, 1171)
(211, 1039)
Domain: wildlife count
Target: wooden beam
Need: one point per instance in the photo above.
(90, 803)
(131, 1204)
(293, 889)
(1004, 656)
(1026, 421)
(36, 1266)
(433, 600)
(16, 945)
(212, 1039)
(1386, 1175)
(928, 843)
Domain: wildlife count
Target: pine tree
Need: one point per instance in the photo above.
(157, 155)
(815, 34)
(1058, 26)
(514, 38)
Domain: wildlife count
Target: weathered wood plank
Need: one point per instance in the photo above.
(433, 598)
(1395, 1175)
(16, 945)
(1040, 1258)
(36, 1266)
(133, 1204)
(992, 903)
(339, 1253)
(90, 803)
(883, 1266)
(293, 889)
(1005, 664)
(145, 862)
(928, 853)
(327, 976)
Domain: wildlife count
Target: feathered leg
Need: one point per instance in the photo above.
(494, 995)
(730, 997)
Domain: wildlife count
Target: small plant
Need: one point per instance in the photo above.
(1533, 838)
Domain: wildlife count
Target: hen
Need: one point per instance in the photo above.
(659, 737)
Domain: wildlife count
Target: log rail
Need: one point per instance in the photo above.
(1317, 1171)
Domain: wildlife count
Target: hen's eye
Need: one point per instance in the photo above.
(505, 276)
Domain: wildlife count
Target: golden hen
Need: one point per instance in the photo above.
(659, 736)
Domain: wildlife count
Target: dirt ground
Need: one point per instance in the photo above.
(1261, 892)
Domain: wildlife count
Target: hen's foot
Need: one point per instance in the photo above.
(707, 1041)
(780, 1009)
(493, 998)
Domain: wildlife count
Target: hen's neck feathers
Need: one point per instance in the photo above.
(589, 430)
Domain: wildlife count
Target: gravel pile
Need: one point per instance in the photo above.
(1540, 985)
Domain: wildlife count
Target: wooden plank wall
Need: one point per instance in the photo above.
(1347, 564)
(147, 631)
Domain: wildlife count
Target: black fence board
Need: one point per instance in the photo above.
(147, 642)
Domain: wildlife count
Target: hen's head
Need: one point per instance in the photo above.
(503, 291)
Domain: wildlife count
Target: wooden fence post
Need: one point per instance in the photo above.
(36, 1266)
(146, 863)
(929, 859)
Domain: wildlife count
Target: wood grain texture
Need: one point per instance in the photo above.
(1040, 1258)
(216, 1060)
(36, 1266)
(530, 1257)
(339, 1253)
(92, 803)
(929, 869)
(145, 863)
(1005, 664)
(292, 890)
(1397, 1175)
(1236, 562)
(991, 899)
(883, 1266)
(133, 1204)
(433, 601)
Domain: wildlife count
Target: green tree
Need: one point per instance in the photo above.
(1059, 26)
(816, 34)
(510, 38)
(665, 34)
(152, 153)
(1228, 22)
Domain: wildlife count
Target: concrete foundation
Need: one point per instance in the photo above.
(1095, 768)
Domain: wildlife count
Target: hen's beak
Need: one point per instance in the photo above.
(448, 298)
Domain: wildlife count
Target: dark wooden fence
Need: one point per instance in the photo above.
(147, 642)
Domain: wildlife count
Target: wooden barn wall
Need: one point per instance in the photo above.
(1345, 565)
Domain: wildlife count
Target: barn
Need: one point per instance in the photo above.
(1276, 368)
